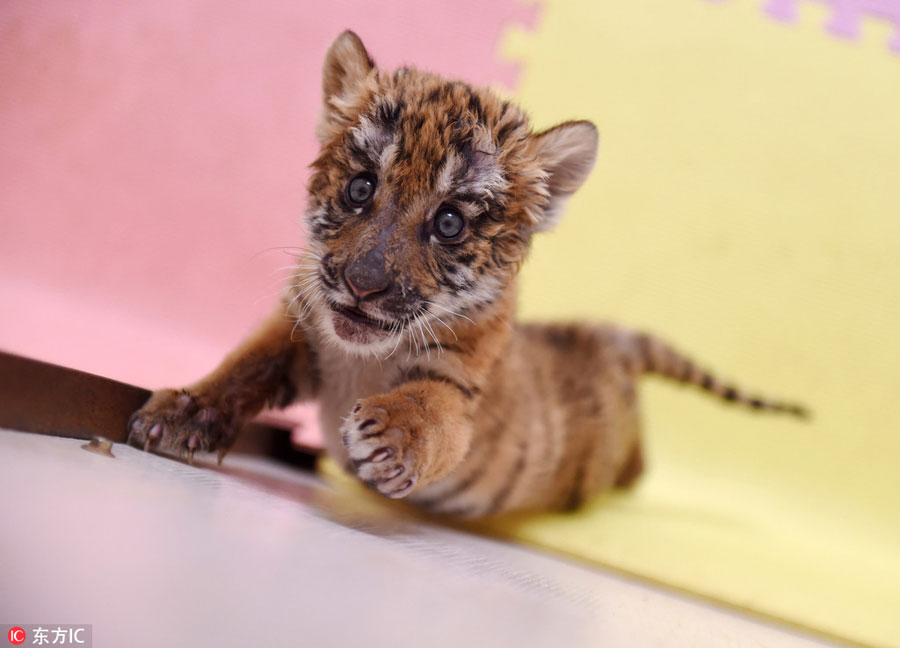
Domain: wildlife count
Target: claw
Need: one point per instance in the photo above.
(380, 455)
(153, 434)
(192, 444)
(222, 453)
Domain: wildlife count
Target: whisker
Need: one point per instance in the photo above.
(396, 329)
(307, 307)
(302, 286)
(301, 272)
(412, 337)
(294, 298)
(444, 308)
(297, 266)
(445, 325)
(417, 329)
(301, 290)
(306, 280)
(309, 276)
(430, 330)
(298, 253)
(287, 249)
(422, 333)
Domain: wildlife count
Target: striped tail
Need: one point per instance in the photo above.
(656, 357)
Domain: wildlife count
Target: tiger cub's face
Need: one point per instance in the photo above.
(424, 198)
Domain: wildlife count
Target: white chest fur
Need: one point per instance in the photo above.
(344, 379)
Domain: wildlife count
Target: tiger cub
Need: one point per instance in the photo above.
(400, 322)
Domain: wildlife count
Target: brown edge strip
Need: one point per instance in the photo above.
(45, 398)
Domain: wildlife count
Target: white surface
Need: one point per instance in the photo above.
(153, 552)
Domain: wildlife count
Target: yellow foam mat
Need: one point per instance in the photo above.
(745, 204)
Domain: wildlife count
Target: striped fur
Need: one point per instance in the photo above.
(428, 388)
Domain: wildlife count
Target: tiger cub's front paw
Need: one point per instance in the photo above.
(381, 439)
(175, 420)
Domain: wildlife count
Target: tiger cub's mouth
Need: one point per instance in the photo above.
(360, 317)
(354, 325)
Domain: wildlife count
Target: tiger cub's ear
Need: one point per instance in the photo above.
(567, 154)
(346, 68)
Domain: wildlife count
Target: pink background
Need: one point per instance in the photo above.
(154, 157)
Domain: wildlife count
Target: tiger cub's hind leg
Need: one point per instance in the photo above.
(615, 436)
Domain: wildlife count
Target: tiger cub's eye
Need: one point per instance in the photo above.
(361, 189)
(448, 223)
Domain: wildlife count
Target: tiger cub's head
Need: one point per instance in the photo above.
(424, 197)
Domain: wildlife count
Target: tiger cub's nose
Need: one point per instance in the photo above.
(367, 275)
